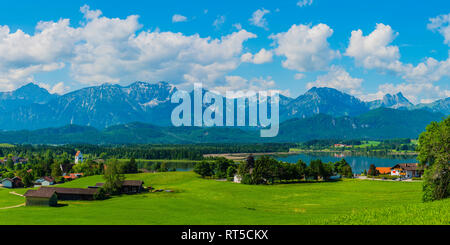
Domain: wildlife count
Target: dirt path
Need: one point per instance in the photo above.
(15, 193)
(16, 206)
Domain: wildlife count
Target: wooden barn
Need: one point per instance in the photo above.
(41, 197)
(129, 186)
(64, 194)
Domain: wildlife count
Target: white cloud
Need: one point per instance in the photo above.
(415, 92)
(441, 23)
(115, 50)
(303, 3)
(90, 14)
(238, 26)
(375, 51)
(263, 56)
(299, 76)
(22, 55)
(58, 88)
(241, 85)
(219, 21)
(258, 18)
(305, 47)
(178, 18)
(340, 79)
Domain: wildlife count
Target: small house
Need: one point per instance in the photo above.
(45, 181)
(132, 186)
(15, 182)
(41, 197)
(407, 170)
(78, 157)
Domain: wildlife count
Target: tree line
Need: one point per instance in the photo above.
(267, 170)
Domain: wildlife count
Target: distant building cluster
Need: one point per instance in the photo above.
(405, 170)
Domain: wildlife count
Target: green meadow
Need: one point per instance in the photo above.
(207, 201)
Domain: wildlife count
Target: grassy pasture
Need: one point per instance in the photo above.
(207, 201)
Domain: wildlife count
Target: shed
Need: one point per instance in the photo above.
(15, 182)
(73, 193)
(41, 197)
(129, 186)
(132, 186)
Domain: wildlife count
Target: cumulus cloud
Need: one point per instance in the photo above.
(116, 50)
(441, 23)
(178, 18)
(263, 56)
(340, 79)
(22, 54)
(258, 18)
(305, 47)
(415, 92)
(303, 3)
(375, 51)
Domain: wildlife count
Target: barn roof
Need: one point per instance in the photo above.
(42, 192)
(73, 191)
(132, 182)
(127, 183)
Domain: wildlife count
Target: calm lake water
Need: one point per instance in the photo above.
(358, 163)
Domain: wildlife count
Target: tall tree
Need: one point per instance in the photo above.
(113, 177)
(434, 156)
(10, 163)
(203, 168)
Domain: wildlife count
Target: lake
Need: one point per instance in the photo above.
(358, 163)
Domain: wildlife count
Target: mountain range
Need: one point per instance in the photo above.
(381, 123)
(109, 110)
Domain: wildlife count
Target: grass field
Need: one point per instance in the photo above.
(205, 201)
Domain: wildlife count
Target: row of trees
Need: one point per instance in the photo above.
(268, 170)
(151, 151)
(384, 145)
(219, 168)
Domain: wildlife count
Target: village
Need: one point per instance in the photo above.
(48, 195)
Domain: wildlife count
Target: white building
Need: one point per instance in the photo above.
(78, 157)
(407, 170)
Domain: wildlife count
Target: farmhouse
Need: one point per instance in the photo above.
(129, 186)
(41, 197)
(407, 170)
(72, 193)
(45, 181)
(15, 182)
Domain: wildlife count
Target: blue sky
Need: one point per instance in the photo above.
(292, 46)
